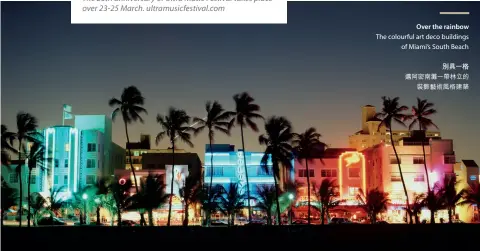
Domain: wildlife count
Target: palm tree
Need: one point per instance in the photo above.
(231, 202)
(217, 120)
(373, 203)
(37, 204)
(327, 195)
(27, 126)
(278, 140)
(392, 112)
(191, 194)
(55, 201)
(36, 159)
(9, 198)
(175, 125)
(109, 203)
(208, 199)
(120, 193)
(7, 145)
(417, 205)
(305, 147)
(130, 107)
(151, 196)
(449, 195)
(434, 202)
(267, 197)
(245, 112)
(101, 190)
(471, 195)
(420, 115)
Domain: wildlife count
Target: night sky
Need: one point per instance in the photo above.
(317, 70)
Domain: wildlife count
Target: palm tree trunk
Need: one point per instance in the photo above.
(211, 166)
(432, 217)
(450, 214)
(28, 196)
(172, 180)
(277, 192)
(119, 216)
(142, 219)
(322, 216)
(425, 161)
(185, 220)
(19, 173)
(150, 217)
(290, 215)
(211, 178)
(98, 215)
(308, 191)
(401, 174)
(246, 176)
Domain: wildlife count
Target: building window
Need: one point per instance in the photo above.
(217, 171)
(13, 178)
(90, 179)
(353, 191)
(328, 173)
(65, 179)
(303, 173)
(395, 177)
(99, 147)
(55, 180)
(262, 172)
(66, 163)
(136, 153)
(91, 147)
(449, 159)
(67, 147)
(56, 163)
(33, 179)
(418, 160)
(419, 178)
(393, 160)
(90, 163)
(473, 177)
(354, 172)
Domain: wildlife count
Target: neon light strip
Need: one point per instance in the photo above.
(75, 163)
(340, 174)
(45, 176)
(53, 158)
(69, 154)
(217, 154)
(364, 173)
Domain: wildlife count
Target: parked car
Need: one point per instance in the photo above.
(300, 222)
(49, 221)
(339, 220)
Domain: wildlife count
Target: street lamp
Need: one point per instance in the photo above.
(291, 196)
(85, 197)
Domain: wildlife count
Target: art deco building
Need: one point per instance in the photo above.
(371, 135)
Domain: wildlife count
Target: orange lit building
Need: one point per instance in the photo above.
(382, 167)
(344, 165)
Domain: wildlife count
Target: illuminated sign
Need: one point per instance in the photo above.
(122, 181)
(352, 159)
(351, 166)
(241, 170)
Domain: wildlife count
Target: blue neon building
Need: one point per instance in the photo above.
(228, 167)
